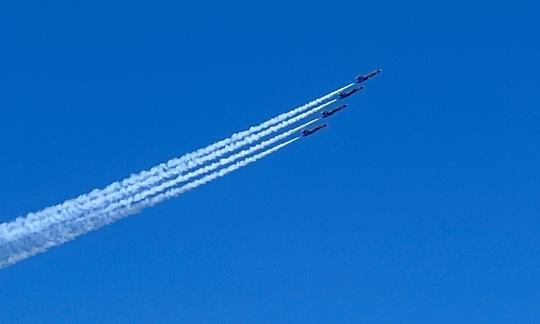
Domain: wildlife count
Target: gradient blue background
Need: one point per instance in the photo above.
(419, 204)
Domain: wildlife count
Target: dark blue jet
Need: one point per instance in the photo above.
(328, 113)
(346, 94)
(307, 132)
(362, 78)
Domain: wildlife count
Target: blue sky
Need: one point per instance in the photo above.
(418, 204)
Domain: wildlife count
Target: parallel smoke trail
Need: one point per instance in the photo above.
(120, 189)
(45, 222)
(218, 174)
(39, 222)
(149, 182)
(129, 201)
(24, 247)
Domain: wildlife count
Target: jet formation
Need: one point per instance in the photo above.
(341, 96)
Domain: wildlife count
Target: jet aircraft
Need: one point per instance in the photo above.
(346, 94)
(328, 113)
(362, 78)
(307, 132)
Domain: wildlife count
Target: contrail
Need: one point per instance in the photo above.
(125, 203)
(150, 181)
(218, 174)
(120, 189)
(37, 222)
(44, 223)
(12, 251)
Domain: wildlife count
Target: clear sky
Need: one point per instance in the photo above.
(419, 204)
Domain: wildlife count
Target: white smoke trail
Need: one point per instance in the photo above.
(117, 190)
(12, 251)
(39, 222)
(127, 202)
(218, 174)
(150, 181)
(42, 223)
